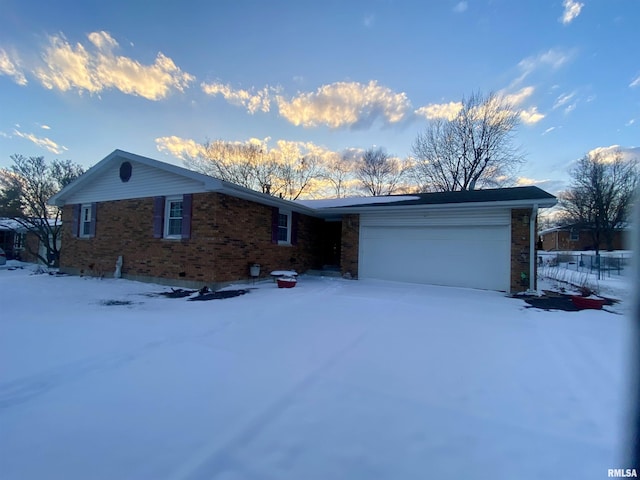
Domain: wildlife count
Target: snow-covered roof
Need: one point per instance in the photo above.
(513, 197)
(10, 224)
(351, 201)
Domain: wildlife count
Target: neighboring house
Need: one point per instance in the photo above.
(175, 226)
(18, 242)
(578, 238)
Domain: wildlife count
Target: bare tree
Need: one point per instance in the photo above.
(472, 150)
(601, 195)
(245, 164)
(379, 173)
(339, 173)
(295, 175)
(37, 181)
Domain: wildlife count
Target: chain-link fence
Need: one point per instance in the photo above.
(604, 266)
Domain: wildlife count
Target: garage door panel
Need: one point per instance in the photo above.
(476, 257)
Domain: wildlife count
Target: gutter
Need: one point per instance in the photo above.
(379, 208)
(532, 248)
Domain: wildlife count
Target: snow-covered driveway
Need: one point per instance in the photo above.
(333, 379)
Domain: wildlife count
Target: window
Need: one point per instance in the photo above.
(284, 226)
(173, 217)
(574, 235)
(18, 241)
(284, 222)
(85, 221)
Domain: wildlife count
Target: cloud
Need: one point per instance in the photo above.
(553, 58)
(445, 111)
(45, 142)
(45, 127)
(345, 104)
(630, 122)
(610, 153)
(531, 115)
(563, 99)
(250, 99)
(69, 67)
(518, 97)
(179, 147)
(10, 67)
(635, 82)
(449, 111)
(548, 130)
(571, 11)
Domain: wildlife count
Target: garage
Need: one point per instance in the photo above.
(458, 247)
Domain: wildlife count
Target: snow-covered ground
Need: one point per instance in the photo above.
(333, 379)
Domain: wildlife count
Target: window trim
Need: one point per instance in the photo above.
(574, 235)
(85, 210)
(289, 223)
(166, 217)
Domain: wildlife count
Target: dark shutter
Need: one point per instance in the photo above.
(75, 226)
(187, 201)
(274, 224)
(92, 226)
(295, 217)
(158, 216)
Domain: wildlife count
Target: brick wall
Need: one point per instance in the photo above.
(520, 250)
(350, 245)
(227, 234)
(561, 240)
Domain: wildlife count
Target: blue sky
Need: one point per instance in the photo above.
(80, 79)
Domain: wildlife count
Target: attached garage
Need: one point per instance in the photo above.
(462, 249)
(482, 239)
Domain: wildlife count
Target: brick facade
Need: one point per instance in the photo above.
(350, 245)
(561, 240)
(227, 235)
(520, 238)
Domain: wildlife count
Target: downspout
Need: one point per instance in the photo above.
(532, 247)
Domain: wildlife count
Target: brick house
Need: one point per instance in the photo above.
(176, 226)
(578, 238)
(19, 243)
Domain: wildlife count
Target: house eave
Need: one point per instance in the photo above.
(528, 203)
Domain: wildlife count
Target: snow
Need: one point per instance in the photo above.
(334, 379)
(352, 201)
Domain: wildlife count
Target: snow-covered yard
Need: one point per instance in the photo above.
(333, 379)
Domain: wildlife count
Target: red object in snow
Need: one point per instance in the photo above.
(584, 303)
(286, 282)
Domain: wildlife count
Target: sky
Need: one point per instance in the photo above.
(81, 79)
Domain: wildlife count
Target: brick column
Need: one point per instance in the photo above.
(350, 245)
(520, 250)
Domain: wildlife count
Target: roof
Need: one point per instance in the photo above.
(505, 197)
(581, 227)
(207, 182)
(514, 196)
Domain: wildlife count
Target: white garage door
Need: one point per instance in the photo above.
(444, 249)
